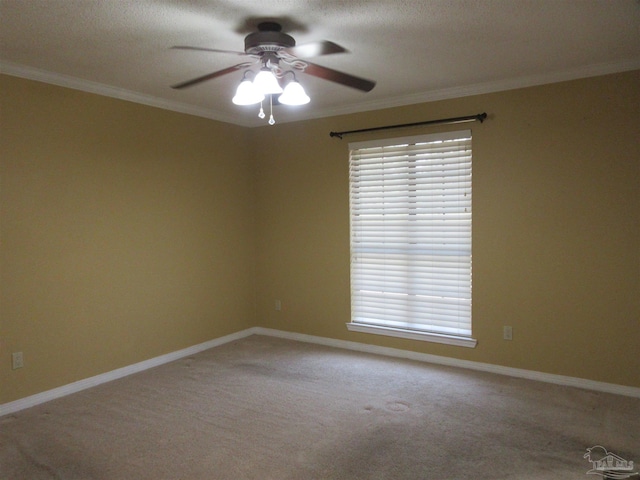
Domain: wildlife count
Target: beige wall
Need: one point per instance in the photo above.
(128, 232)
(556, 226)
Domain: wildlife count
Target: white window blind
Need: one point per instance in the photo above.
(410, 201)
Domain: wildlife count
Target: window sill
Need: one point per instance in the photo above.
(413, 335)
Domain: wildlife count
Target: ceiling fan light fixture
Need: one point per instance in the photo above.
(266, 82)
(294, 94)
(247, 94)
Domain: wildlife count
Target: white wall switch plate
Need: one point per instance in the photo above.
(17, 361)
(507, 333)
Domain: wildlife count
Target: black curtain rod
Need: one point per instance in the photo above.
(470, 118)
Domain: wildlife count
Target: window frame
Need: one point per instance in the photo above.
(415, 330)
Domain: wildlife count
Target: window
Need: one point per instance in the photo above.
(410, 203)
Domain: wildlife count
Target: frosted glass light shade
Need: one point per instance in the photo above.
(294, 94)
(247, 94)
(267, 83)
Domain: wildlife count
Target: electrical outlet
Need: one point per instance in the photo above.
(507, 333)
(17, 361)
(278, 305)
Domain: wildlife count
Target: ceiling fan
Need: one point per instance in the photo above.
(277, 52)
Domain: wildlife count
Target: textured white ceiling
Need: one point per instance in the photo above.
(416, 50)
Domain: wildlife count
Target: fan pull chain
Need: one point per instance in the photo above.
(271, 119)
(261, 113)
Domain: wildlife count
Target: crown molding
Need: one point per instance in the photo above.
(67, 81)
(61, 80)
(486, 87)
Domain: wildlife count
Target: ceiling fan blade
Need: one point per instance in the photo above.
(315, 49)
(210, 76)
(339, 77)
(203, 49)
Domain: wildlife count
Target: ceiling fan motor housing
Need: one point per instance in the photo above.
(268, 38)
(271, 47)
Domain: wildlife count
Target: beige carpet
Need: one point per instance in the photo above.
(266, 408)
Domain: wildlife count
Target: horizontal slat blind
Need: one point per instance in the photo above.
(410, 202)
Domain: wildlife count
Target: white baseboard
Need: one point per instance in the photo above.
(74, 387)
(454, 362)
